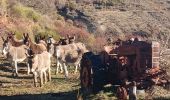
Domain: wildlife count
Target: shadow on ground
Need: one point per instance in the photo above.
(71, 95)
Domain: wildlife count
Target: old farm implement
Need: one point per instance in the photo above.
(122, 64)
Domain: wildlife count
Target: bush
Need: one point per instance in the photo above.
(36, 29)
(31, 14)
(72, 5)
(3, 7)
(18, 35)
(19, 10)
(114, 1)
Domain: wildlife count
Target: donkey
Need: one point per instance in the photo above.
(71, 39)
(41, 64)
(40, 39)
(36, 48)
(70, 54)
(14, 53)
(51, 44)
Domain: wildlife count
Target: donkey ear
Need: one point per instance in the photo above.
(67, 36)
(27, 35)
(74, 36)
(7, 38)
(3, 39)
(40, 37)
(43, 38)
(24, 34)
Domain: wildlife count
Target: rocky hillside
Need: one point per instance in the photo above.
(101, 18)
(122, 16)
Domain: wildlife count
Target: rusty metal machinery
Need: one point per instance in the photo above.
(128, 61)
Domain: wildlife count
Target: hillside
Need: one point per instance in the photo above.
(124, 16)
(101, 18)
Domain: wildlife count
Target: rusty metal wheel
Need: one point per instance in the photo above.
(85, 75)
(121, 93)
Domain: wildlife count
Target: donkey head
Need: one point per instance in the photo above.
(25, 38)
(5, 48)
(42, 38)
(71, 39)
(49, 42)
(63, 41)
(11, 35)
(38, 38)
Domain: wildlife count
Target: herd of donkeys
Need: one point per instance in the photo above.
(38, 54)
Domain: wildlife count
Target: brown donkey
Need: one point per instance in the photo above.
(35, 48)
(16, 43)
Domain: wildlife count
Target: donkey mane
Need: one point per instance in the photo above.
(16, 43)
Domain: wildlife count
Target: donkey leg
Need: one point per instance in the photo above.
(49, 74)
(45, 77)
(13, 71)
(35, 79)
(65, 70)
(58, 65)
(61, 69)
(28, 68)
(16, 68)
(41, 79)
(75, 71)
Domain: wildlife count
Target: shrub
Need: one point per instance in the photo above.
(114, 1)
(3, 7)
(18, 35)
(53, 33)
(72, 5)
(31, 14)
(19, 10)
(36, 29)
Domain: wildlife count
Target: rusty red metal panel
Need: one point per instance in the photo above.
(155, 49)
(155, 54)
